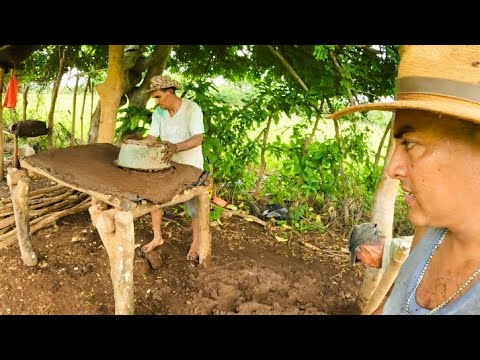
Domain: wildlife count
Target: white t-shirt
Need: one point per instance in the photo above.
(187, 122)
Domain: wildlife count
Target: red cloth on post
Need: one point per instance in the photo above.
(11, 93)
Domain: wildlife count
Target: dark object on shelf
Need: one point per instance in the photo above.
(28, 128)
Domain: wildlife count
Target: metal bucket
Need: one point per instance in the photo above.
(142, 155)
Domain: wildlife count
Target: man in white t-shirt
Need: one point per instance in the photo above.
(179, 124)
(367, 245)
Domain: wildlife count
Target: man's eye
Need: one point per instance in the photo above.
(408, 144)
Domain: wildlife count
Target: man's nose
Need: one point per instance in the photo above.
(397, 167)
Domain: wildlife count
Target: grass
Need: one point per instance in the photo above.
(374, 124)
(39, 106)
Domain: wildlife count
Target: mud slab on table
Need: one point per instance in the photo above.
(92, 167)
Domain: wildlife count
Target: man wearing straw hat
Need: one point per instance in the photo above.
(179, 123)
(437, 160)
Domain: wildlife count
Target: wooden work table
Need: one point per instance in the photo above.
(113, 216)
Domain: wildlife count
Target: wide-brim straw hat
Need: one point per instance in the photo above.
(443, 79)
(159, 82)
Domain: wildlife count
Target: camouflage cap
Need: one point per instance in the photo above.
(162, 82)
(366, 233)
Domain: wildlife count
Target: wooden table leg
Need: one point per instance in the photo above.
(204, 239)
(116, 230)
(19, 182)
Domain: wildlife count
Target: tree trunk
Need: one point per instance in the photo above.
(309, 140)
(347, 82)
(287, 65)
(155, 65)
(92, 92)
(110, 93)
(56, 86)
(25, 102)
(19, 182)
(263, 163)
(94, 123)
(380, 145)
(158, 63)
(343, 182)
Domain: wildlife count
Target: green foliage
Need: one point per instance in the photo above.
(135, 120)
(215, 213)
(310, 179)
(43, 66)
(259, 87)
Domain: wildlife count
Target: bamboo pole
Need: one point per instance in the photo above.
(92, 88)
(87, 85)
(74, 110)
(56, 86)
(9, 238)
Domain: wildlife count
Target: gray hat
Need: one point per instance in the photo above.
(364, 233)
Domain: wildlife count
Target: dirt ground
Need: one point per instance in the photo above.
(251, 271)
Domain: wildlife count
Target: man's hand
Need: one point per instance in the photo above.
(169, 151)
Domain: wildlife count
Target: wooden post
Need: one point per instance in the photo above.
(25, 101)
(204, 240)
(391, 272)
(83, 109)
(382, 215)
(56, 86)
(2, 163)
(116, 230)
(371, 278)
(18, 181)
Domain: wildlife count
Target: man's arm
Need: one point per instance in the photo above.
(194, 141)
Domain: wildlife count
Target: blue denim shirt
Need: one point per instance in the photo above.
(467, 304)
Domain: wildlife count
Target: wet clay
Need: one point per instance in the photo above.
(92, 167)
